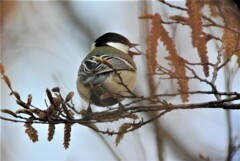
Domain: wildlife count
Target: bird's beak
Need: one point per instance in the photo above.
(132, 53)
(133, 45)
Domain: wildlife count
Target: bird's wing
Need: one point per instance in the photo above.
(99, 64)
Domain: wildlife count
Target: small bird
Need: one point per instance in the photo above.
(108, 73)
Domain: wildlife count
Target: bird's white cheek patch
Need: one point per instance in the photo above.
(119, 46)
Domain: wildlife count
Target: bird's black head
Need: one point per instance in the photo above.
(111, 37)
(116, 41)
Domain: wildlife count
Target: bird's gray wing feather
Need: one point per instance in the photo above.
(96, 72)
(93, 67)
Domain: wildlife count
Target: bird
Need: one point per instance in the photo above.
(108, 74)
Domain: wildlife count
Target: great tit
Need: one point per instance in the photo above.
(108, 73)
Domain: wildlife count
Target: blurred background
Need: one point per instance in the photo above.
(42, 46)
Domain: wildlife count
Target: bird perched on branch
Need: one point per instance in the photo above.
(108, 73)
